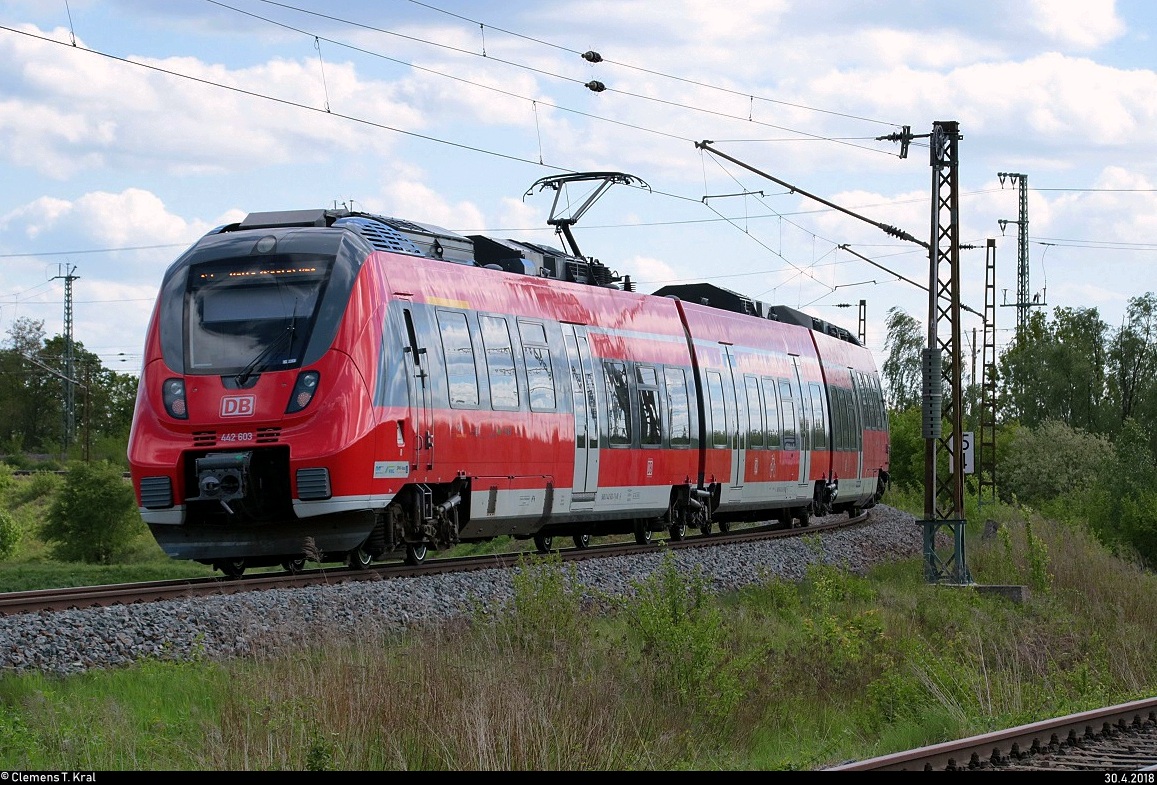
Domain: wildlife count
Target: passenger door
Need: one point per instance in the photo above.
(418, 383)
(859, 398)
(586, 416)
(803, 426)
(734, 398)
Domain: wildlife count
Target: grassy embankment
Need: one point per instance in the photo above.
(782, 676)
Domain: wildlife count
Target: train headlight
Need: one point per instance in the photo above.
(303, 391)
(173, 395)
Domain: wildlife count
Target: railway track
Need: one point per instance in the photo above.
(152, 591)
(1120, 738)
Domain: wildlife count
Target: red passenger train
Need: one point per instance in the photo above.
(341, 386)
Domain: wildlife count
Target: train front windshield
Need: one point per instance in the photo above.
(245, 316)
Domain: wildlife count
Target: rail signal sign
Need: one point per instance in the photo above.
(966, 446)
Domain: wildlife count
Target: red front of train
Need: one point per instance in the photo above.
(256, 389)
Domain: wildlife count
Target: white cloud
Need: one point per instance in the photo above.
(66, 114)
(649, 269)
(132, 217)
(1079, 24)
(405, 195)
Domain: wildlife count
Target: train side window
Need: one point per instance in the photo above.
(678, 413)
(819, 418)
(853, 419)
(461, 375)
(787, 408)
(839, 437)
(868, 404)
(771, 414)
(756, 437)
(650, 423)
(539, 371)
(718, 423)
(867, 401)
(855, 412)
(881, 410)
(532, 332)
(618, 404)
(499, 362)
(849, 415)
(540, 378)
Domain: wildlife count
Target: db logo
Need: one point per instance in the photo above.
(238, 405)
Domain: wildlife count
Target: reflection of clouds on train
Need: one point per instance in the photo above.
(648, 386)
(618, 404)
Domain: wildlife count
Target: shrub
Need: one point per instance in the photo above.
(907, 448)
(1052, 460)
(545, 614)
(38, 485)
(9, 535)
(687, 645)
(93, 516)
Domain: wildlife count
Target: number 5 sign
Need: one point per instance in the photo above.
(966, 448)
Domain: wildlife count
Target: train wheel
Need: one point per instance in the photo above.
(643, 532)
(234, 568)
(582, 541)
(294, 565)
(359, 559)
(705, 529)
(724, 527)
(855, 511)
(543, 543)
(678, 530)
(805, 516)
(415, 554)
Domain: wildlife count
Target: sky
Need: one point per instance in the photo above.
(130, 128)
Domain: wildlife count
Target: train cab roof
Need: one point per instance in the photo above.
(399, 235)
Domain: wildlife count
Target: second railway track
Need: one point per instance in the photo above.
(1121, 738)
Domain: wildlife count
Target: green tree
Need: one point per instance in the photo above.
(906, 447)
(1132, 365)
(901, 372)
(1122, 508)
(29, 396)
(1056, 370)
(32, 394)
(93, 516)
(1080, 356)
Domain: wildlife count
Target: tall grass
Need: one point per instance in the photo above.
(782, 675)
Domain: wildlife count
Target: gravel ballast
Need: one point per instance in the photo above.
(238, 625)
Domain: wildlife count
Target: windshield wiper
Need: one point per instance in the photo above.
(285, 338)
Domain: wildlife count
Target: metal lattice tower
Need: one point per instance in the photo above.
(943, 393)
(862, 331)
(1023, 302)
(986, 443)
(69, 362)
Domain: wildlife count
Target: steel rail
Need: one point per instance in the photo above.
(1068, 743)
(50, 600)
